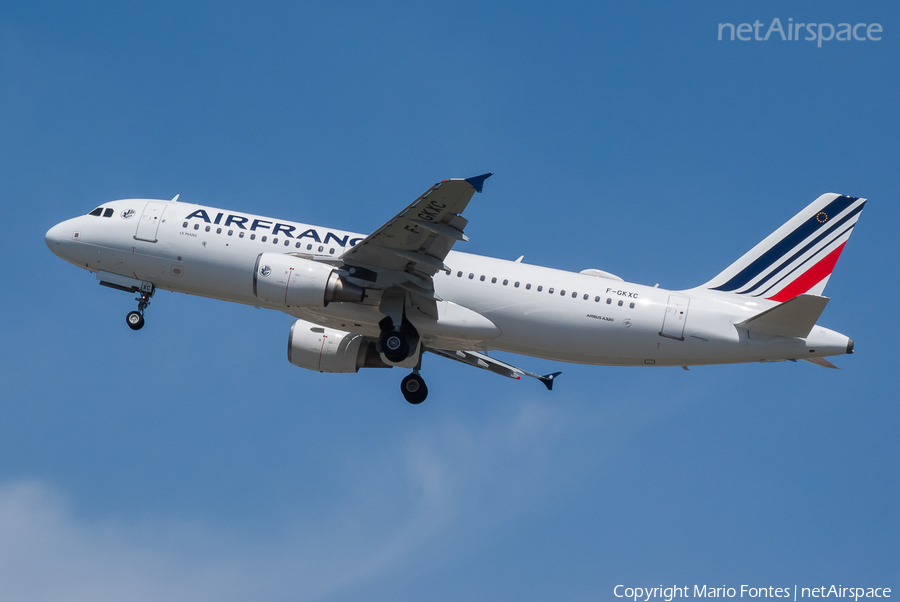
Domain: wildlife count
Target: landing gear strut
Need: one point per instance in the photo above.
(397, 343)
(413, 388)
(135, 319)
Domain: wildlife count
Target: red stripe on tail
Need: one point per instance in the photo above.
(809, 278)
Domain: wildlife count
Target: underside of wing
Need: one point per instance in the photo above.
(485, 362)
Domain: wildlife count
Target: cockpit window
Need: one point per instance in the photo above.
(108, 212)
(97, 212)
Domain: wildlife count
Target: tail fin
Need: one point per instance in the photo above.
(798, 257)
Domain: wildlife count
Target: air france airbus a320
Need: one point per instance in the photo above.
(383, 300)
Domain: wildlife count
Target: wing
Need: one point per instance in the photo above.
(485, 362)
(408, 250)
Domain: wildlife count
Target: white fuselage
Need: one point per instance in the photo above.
(531, 310)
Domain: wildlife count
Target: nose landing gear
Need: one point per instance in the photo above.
(135, 319)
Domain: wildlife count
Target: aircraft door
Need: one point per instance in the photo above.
(676, 316)
(148, 225)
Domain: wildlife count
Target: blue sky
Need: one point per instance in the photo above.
(192, 461)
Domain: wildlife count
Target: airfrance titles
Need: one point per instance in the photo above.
(232, 220)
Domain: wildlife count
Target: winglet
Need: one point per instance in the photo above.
(478, 181)
(547, 379)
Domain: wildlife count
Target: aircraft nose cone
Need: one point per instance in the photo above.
(52, 237)
(55, 237)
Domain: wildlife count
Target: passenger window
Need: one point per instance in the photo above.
(482, 278)
(240, 235)
(621, 303)
(264, 238)
(253, 237)
(471, 275)
(528, 287)
(207, 228)
(287, 243)
(631, 305)
(597, 299)
(562, 293)
(586, 296)
(493, 281)
(108, 212)
(574, 295)
(218, 230)
(459, 274)
(196, 226)
(608, 301)
(505, 282)
(230, 232)
(550, 291)
(184, 225)
(516, 284)
(274, 241)
(331, 251)
(297, 246)
(540, 288)
(309, 247)
(321, 249)
(98, 212)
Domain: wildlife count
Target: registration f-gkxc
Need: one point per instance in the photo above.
(383, 300)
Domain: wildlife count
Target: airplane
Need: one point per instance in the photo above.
(383, 300)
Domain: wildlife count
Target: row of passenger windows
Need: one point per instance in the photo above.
(100, 211)
(321, 249)
(263, 238)
(550, 290)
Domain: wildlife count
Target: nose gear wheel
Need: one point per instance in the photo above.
(135, 319)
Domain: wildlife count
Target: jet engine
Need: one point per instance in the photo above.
(290, 281)
(328, 350)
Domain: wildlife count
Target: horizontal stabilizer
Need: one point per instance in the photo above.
(794, 318)
(820, 361)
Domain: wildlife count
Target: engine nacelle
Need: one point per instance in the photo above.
(290, 281)
(328, 350)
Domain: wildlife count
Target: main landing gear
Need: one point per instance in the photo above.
(413, 388)
(135, 319)
(397, 344)
(394, 345)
